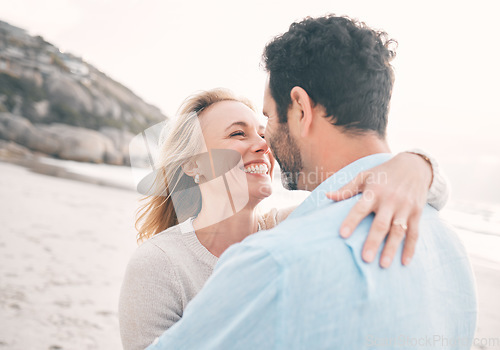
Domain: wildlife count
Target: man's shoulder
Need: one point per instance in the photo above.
(301, 235)
(320, 228)
(329, 214)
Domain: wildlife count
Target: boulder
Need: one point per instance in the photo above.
(41, 108)
(114, 158)
(14, 127)
(120, 138)
(67, 90)
(82, 145)
(20, 130)
(65, 141)
(9, 150)
(39, 140)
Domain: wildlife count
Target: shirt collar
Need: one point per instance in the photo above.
(318, 198)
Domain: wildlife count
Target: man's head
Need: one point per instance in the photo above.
(341, 67)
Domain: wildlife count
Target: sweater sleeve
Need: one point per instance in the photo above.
(150, 298)
(227, 313)
(274, 216)
(440, 189)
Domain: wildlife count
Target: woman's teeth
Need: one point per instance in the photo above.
(256, 169)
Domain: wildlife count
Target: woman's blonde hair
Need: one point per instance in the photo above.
(184, 140)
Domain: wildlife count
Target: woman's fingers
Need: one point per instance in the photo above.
(398, 186)
(350, 189)
(380, 226)
(359, 211)
(411, 238)
(397, 232)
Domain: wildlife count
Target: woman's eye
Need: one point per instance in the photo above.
(237, 133)
(262, 136)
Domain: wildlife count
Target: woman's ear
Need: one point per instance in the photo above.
(190, 168)
(303, 106)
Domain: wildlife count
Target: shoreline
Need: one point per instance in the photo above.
(56, 168)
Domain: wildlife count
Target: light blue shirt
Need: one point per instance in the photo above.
(302, 286)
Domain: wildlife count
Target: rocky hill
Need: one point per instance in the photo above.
(57, 104)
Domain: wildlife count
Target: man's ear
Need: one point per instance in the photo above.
(303, 105)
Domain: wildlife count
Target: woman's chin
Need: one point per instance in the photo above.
(262, 192)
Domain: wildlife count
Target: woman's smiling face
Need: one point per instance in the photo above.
(233, 125)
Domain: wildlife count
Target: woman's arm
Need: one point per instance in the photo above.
(150, 300)
(396, 192)
(440, 189)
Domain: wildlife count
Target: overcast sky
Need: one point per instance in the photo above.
(447, 64)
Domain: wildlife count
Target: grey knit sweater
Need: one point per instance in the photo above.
(163, 275)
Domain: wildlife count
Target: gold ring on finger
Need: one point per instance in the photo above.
(402, 223)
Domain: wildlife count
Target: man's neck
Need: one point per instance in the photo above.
(336, 153)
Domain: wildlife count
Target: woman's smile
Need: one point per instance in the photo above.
(257, 167)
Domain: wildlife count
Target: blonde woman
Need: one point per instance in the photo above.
(197, 210)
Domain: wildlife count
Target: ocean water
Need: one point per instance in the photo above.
(477, 220)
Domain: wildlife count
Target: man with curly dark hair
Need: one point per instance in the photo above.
(344, 67)
(341, 63)
(298, 286)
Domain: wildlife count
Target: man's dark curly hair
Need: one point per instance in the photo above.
(341, 63)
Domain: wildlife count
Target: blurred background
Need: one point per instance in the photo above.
(78, 79)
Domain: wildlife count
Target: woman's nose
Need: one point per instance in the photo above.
(261, 146)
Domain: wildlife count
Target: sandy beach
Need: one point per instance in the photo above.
(64, 246)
